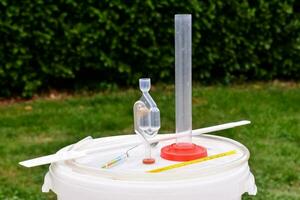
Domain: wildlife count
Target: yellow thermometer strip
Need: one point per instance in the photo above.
(182, 164)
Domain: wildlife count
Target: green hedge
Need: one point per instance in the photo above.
(62, 44)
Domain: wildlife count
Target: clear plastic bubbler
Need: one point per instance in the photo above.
(146, 118)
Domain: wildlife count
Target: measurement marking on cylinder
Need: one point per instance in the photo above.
(182, 164)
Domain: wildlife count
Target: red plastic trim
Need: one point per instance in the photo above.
(183, 152)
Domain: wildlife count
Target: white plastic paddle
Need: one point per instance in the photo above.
(74, 151)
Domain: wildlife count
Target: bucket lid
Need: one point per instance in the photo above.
(134, 170)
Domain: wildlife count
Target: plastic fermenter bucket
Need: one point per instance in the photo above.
(226, 178)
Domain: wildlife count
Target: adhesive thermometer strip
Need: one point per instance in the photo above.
(182, 164)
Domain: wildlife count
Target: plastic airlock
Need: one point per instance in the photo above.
(146, 118)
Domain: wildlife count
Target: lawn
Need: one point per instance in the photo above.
(44, 125)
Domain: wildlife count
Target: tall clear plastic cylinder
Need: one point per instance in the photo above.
(183, 76)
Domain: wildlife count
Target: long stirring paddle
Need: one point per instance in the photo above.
(75, 153)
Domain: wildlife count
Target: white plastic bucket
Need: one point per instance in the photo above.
(225, 178)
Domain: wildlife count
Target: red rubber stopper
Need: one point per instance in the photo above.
(148, 161)
(183, 152)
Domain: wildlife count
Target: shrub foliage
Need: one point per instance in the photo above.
(48, 43)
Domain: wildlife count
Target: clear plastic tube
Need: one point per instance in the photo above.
(183, 76)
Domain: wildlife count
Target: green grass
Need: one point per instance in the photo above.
(43, 126)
